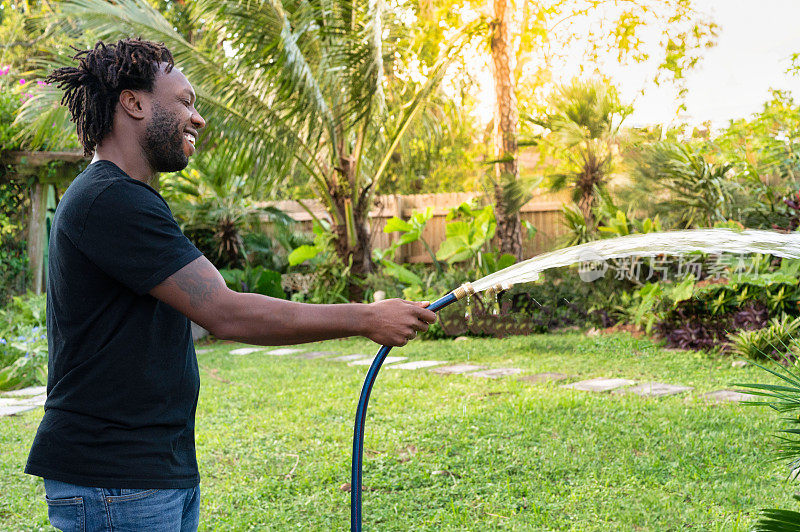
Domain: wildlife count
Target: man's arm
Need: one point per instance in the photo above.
(199, 292)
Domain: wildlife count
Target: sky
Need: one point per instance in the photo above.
(756, 40)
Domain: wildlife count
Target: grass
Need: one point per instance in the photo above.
(460, 453)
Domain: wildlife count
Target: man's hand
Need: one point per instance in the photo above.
(395, 321)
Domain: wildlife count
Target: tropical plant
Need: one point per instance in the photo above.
(23, 342)
(468, 236)
(255, 280)
(776, 341)
(583, 124)
(214, 204)
(678, 183)
(784, 398)
(410, 231)
(301, 93)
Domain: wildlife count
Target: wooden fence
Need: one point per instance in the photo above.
(543, 212)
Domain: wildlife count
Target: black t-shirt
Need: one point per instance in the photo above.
(123, 380)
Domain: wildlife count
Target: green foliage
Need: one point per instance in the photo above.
(13, 253)
(23, 342)
(776, 341)
(679, 184)
(216, 207)
(10, 101)
(331, 277)
(783, 398)
(469, 231)
(583, 121)
(255, 280)
(410, 231)
(611, 221)
(644, 306)
(323, 244)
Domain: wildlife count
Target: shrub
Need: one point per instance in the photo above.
(776, 341)
(256, 280)
(23, 343)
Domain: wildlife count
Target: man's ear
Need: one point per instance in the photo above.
(132, 104)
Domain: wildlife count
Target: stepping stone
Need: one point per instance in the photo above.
(13, 410)
(348, 358)
(457, 370)
(495, 373)
(32, 390)
(655, 389)
(599, 385)
(368, 362)
(543, 377)
(284, 351)
(311, 355)
(246, 350)
(728, 396)
(37, 400)
(419, 364)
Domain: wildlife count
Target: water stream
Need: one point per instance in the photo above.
(710, 241)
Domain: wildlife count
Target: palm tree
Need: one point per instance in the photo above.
(300, 93)
(584, 121)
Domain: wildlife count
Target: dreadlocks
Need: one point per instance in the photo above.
(91, 90)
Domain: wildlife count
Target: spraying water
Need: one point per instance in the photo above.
(711, 241)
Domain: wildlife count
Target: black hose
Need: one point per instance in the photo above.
(361, 416)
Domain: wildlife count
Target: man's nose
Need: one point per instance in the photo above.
(198, 120)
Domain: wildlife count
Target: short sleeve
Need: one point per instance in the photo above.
(131, 235)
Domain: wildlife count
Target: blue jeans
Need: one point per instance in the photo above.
(78, 508)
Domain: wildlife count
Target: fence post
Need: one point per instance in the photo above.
(37, 236)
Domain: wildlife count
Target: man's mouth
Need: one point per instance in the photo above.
(190, 137)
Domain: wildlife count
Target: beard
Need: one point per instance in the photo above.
(163, 142)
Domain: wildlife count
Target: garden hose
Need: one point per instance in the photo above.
(361, 412)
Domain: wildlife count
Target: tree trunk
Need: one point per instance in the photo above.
(357, 249)
(505, 128)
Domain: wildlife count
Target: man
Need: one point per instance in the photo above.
(116, 444)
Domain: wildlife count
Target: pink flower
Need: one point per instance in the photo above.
(40, 83)
(4, 70)
(22, 81)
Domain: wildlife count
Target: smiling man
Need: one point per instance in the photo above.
(116, 443)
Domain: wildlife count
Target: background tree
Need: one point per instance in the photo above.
(506, 118)
(297, 90)
(582, 126)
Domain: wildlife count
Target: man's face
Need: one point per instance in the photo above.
(171, 129)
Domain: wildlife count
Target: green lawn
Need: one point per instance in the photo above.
(460, 453)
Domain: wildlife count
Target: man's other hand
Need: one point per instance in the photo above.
(396, 321)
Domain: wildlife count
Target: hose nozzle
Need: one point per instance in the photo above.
(463, 291)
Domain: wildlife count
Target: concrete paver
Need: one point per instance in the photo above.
(312, 355)
(537, 378)
(418, 364)
(599, 384)
(495, 373)
(457, 369)
(655, 389)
